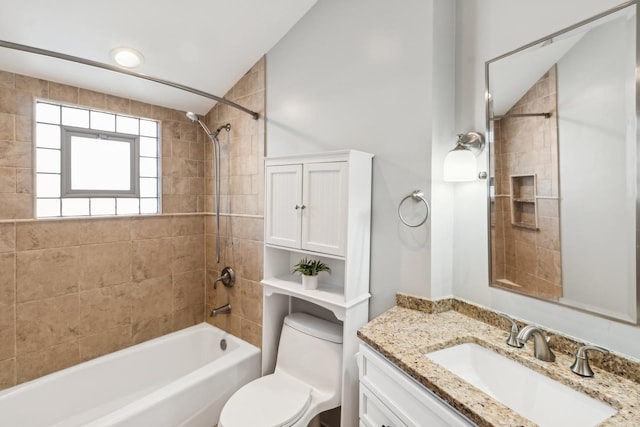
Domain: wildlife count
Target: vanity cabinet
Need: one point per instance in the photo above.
(390, 398)
(318, 206)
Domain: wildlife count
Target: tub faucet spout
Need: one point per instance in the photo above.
(221, 310)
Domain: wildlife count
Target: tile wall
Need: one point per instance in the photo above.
(73, 289)
(242, 196)
(528, 259)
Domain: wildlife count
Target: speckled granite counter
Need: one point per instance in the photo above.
(403, 335)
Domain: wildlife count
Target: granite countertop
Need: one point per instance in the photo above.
(403, 335)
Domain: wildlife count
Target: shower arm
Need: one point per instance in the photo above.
(96, 64)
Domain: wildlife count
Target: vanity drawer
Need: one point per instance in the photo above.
(373, 413)
(410, 402)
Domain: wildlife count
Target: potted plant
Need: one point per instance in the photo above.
(309, 268)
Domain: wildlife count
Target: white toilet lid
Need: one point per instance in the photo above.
(275, 400)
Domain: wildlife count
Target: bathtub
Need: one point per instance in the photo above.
(180, 379)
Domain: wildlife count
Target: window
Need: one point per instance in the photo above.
(91, 162)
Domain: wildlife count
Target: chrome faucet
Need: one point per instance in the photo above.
(581, 364)
(513, 334)
(221, 310)
(541, 348)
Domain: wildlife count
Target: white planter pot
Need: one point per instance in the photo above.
(309, 282)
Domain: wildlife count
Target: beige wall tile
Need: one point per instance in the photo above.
(45, 323)
(7, 373)
(105, 264)
(7, 280)
(16, 206)
(24, 129)
(24, 181)
(103, 230)
(7, 237)
(248, 228)
(47, 273)
(44, 361)
(188, 253)
(249, 255)
(150, 227)
(15, 154)
(251, 332)
(105, 308)
(151, 299)
(251, 301)
(152, 258)
(148, 329)
(46, 234)
(7, 331)
(188, 289)
(7, 180)
(188, 225)
(118, 105)
(7, 127)
(104, 342)
(63, 93)
(35, 87)
(188, 316)
(90, 98)
(16, 102)
(7, 80)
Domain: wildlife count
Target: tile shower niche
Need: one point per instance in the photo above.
(524, 209)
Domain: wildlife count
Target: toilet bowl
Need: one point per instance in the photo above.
(307, 379)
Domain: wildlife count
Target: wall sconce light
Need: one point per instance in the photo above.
(460, 163)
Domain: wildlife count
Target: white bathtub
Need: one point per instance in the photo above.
(180, 379)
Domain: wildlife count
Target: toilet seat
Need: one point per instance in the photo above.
(276, 400)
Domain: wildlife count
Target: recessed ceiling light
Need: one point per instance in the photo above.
(127, 57)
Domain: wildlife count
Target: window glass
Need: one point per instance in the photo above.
(48, 136)
(103, 121)
(75, 117)
(100, 164)
(48, 160)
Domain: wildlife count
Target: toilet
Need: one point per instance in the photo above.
(307, 378)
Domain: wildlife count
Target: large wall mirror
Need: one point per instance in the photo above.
(563, 188)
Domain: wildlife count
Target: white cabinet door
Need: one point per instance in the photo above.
(283, 205)
(324, 198)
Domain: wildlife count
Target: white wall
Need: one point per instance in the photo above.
(360, 74)
(485, 30)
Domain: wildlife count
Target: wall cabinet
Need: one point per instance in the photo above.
(318, 206)
(390, 398)
(306, 206)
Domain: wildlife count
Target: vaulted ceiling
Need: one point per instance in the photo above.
(204, 44)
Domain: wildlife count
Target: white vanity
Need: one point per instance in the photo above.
(390, 398)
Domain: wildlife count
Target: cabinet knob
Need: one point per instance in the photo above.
(300, 207)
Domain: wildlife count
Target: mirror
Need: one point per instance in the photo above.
(563, 160)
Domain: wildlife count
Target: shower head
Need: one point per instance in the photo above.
(195, 119)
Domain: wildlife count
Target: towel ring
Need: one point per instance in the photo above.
(418, 196)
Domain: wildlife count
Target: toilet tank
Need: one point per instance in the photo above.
(310, 350)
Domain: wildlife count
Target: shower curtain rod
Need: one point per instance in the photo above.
(58, 55)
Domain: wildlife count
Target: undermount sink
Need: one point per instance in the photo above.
(534, 396)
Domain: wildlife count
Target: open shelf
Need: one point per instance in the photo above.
(524, 209)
